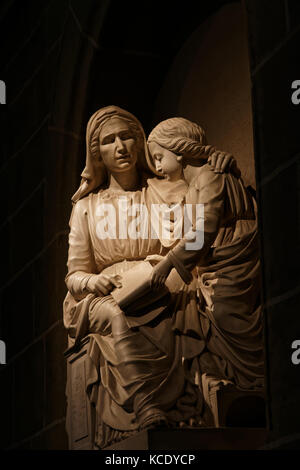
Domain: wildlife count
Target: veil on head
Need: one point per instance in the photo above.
(94, 173)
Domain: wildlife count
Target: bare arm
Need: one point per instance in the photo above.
(208, 190)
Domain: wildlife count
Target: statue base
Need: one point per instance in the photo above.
(194, 439)
(237, 417)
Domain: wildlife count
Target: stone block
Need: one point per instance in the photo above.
(80, 413)
(232, 407)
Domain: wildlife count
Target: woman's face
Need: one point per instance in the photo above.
(118, 146)
(166, 162)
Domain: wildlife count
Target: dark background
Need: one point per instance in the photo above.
(61, 60)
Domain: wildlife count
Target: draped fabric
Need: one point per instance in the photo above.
(224, 309)
(142, 368)
(212, 325)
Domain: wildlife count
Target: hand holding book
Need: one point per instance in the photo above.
(102, 284)
(160, 273)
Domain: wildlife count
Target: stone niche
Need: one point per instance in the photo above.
(209, 83)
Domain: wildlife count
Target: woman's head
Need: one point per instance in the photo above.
(127, 141)
(111, 127)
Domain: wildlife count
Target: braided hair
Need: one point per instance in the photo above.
(182, 137)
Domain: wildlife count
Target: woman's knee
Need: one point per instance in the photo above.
(101, 313)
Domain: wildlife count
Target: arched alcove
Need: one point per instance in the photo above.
(209, 83)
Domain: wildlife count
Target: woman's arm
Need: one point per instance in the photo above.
(82, 278)
(81, 263)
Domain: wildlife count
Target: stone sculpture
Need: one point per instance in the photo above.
(159, 317)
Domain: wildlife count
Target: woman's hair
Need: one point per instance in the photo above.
(182, 137)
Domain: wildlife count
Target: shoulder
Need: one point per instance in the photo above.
(207, 186)
(206, 176)
(154, 182)
(81, 206)
(79, 210)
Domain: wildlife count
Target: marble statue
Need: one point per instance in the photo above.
(228, 317)
(160, 316)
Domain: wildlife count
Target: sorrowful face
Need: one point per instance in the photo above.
(166, 162)
(118, 146)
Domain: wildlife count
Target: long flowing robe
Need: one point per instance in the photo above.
(149, 372)
(212, 325)
(221, 324)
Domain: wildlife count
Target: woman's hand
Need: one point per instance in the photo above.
(160, 273)
(223, 161)
(103, 284)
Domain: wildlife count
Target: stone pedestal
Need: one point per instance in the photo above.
(194, 439)
(231, 406)
(80, 413)
(237, 417)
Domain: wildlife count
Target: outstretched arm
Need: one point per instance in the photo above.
(208, 190)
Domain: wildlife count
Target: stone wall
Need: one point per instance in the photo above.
(209, 83)
(274, 38)
(32, 405)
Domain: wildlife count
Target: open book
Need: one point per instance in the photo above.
(136, 291)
